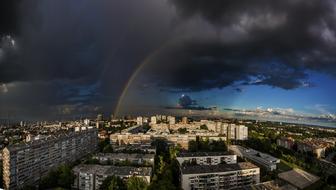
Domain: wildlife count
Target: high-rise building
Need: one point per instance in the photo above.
(237, 132)
(171, 120)
(139, 120)
(86, 122)
(100, 117)
(153, 120)
(241, 132)
(184, 120)
(26, 164)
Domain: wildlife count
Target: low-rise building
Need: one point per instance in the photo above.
(206, 158)
(265, 160)
(91, 177)
(226, 176)
(115, 158)
(298, 178)
(316, 146)
(145, 148)
(271, 185)
(286, 142)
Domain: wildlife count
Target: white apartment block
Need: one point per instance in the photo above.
(91, 177)
(231, 131)
(153, 120)
(26, 164)
(237, 132)
(206, 158)
(171, 120)
(227, 176)
(139, 121)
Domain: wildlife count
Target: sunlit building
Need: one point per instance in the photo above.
(226, 176)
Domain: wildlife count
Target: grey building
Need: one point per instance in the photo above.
(26, 164)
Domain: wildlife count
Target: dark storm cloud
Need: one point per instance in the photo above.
(256, 42)
(196, 66)
(83, 51)
(9, 16)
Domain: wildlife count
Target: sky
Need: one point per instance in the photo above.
(63, 59)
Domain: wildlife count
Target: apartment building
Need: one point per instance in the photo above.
(146, 148)
(181, 140)
(27, 163)
(115, 158)
(286, 142)
(316, 146)
(237, 132)
(91, 177)
(129, 138)
(206, 158)
(226, 176)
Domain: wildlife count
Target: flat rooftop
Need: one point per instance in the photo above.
(270, 185)
(201, 169)
(113, 170)
(125, 156)
(298, 178)
(249, 152)
(201, 154)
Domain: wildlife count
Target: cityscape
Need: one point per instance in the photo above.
(167, 95)
(167, 152)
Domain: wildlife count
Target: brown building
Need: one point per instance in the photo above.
(286, 142)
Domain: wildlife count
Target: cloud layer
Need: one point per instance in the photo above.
(62, 57)
(255, 42)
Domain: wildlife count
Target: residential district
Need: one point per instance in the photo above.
(167, 152)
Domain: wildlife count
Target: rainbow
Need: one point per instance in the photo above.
(134, 75)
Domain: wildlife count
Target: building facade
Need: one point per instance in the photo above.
(206, 158)
(227, 176)
(135, 158)
(26, 164)
(286, 142)
(91, 177)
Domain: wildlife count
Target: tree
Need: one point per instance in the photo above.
(182, 130)
(102, 144)
(204, 127)
(113, 183)
(136, 183)
(193, 146)
(66, 177)
(162, 165)
(108, 149)
(60, 177)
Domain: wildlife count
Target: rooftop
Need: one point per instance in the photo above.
(298, 178)
(200, 169)
(125, 155)
(270, 185)
(113, 170)
(53, 137)
(201, 154)
(254, 153)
